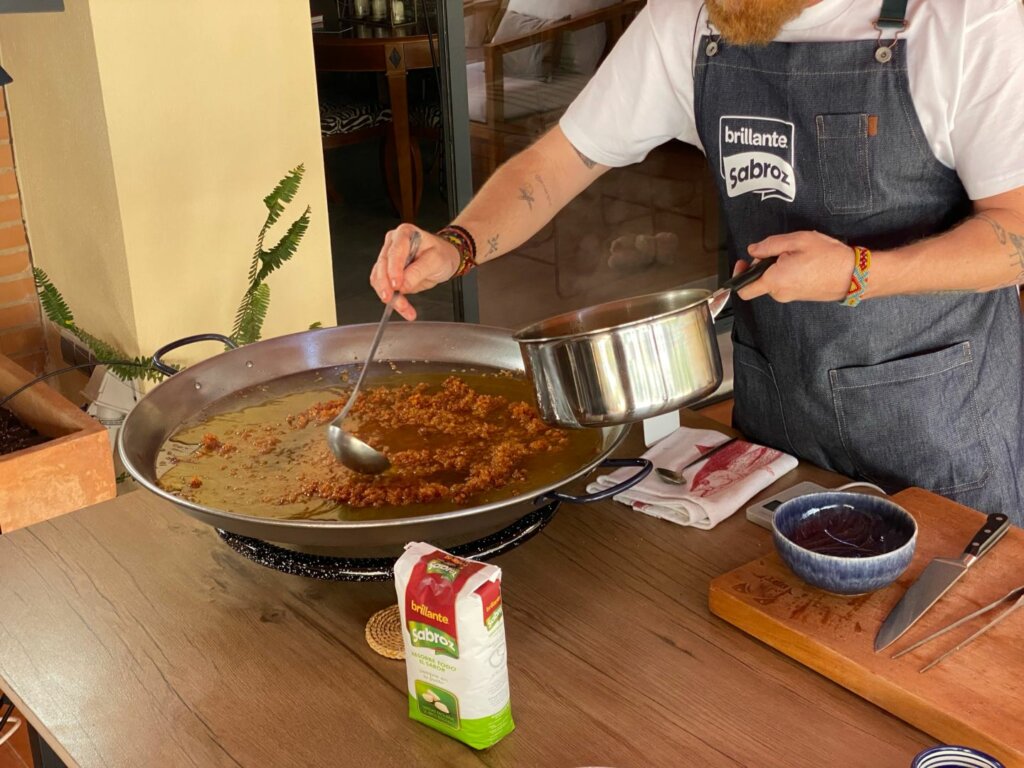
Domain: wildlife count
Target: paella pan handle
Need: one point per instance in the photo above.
(646, 465)
(170, 370)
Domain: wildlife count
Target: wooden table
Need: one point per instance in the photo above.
(130, 635)
(394, 52)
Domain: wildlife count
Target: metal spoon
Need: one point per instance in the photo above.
(347, 448)
(676, 478)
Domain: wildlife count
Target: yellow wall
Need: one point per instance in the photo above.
(66, 175)
(147, 134)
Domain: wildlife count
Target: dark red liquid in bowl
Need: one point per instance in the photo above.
(843, 530)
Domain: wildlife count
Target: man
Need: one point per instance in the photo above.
(877, 150)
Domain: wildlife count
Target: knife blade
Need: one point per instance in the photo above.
(936, 579)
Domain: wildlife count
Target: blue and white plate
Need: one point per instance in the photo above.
(954, 757)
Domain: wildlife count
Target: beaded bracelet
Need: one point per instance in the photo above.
(464, 244)
(859, 278)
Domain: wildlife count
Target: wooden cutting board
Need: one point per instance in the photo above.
(974, 698)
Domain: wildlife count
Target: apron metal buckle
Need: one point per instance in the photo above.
(883, 54)
(712, 47)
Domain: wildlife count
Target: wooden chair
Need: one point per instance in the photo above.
(345, 121)
(425, 122)
(542, 107)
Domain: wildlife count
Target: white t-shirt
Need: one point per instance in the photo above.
(965, 61)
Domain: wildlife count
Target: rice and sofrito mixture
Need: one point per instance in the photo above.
(453, 441)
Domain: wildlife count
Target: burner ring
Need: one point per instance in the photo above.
(328, 568)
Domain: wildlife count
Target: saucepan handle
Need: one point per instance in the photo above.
(719, 297)
(646, 465)
(170, 370)
(749, 276)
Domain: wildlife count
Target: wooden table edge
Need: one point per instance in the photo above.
(37, 731)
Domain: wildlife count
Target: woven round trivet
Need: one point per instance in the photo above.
(384, 633)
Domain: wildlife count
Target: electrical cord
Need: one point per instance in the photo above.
(860, 484)
(59, 371)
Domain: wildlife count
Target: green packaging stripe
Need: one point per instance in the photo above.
(480, 733)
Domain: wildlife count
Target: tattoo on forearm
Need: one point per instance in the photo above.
(543, 186)
(586, 160)
(492, 246)
(996, 227)
(1017, 255)
(1013, 239)
(526, 194)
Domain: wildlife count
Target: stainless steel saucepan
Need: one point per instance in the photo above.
(628, 360)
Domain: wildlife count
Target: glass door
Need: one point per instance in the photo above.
(639, 229)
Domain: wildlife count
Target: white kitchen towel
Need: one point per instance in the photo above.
(714, 489)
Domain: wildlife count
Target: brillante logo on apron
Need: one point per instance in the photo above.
(757, 156)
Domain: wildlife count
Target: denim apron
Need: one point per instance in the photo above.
(908, 390)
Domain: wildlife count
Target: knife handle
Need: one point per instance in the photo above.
(993, 530)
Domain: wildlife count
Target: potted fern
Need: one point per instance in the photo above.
(252, 310)
(72, 466)
(112, 392)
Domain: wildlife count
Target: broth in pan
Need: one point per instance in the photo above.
(455, 440)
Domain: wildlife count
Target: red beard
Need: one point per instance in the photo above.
(752, 22)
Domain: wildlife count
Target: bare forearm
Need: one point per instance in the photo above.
(525, 193)
(983, 253)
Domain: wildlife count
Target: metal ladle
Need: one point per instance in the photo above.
(347, 448)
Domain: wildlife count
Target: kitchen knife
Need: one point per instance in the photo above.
(936, 579)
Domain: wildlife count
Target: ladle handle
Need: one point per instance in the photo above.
(170, 370)
(414, 247)
(369, 357)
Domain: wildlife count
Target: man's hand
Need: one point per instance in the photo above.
(436, 261)
(520, 198)
(811, 267)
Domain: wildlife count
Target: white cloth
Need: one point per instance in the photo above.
(963, 65)
(715, 487)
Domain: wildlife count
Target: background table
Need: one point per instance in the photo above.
(129, 631)
(393, 53)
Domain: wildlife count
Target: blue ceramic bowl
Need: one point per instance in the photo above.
(844, 543)
(954, 757)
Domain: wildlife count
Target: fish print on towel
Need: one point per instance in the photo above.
(730, 465)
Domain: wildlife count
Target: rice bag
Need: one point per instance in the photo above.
(454, 635)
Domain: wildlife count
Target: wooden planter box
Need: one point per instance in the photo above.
(72, 470)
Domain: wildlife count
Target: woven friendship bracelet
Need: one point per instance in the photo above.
(464, 244)
(859, 278)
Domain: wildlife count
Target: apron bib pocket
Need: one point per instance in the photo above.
(758, 410)
(843, 162)
(913, 421)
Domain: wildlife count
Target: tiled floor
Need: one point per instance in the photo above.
(358, 225)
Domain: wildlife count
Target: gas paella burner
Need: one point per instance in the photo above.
(329, 568)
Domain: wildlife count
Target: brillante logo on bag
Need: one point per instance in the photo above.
(757, 156)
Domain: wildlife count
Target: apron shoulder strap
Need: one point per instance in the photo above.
(893, 15)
